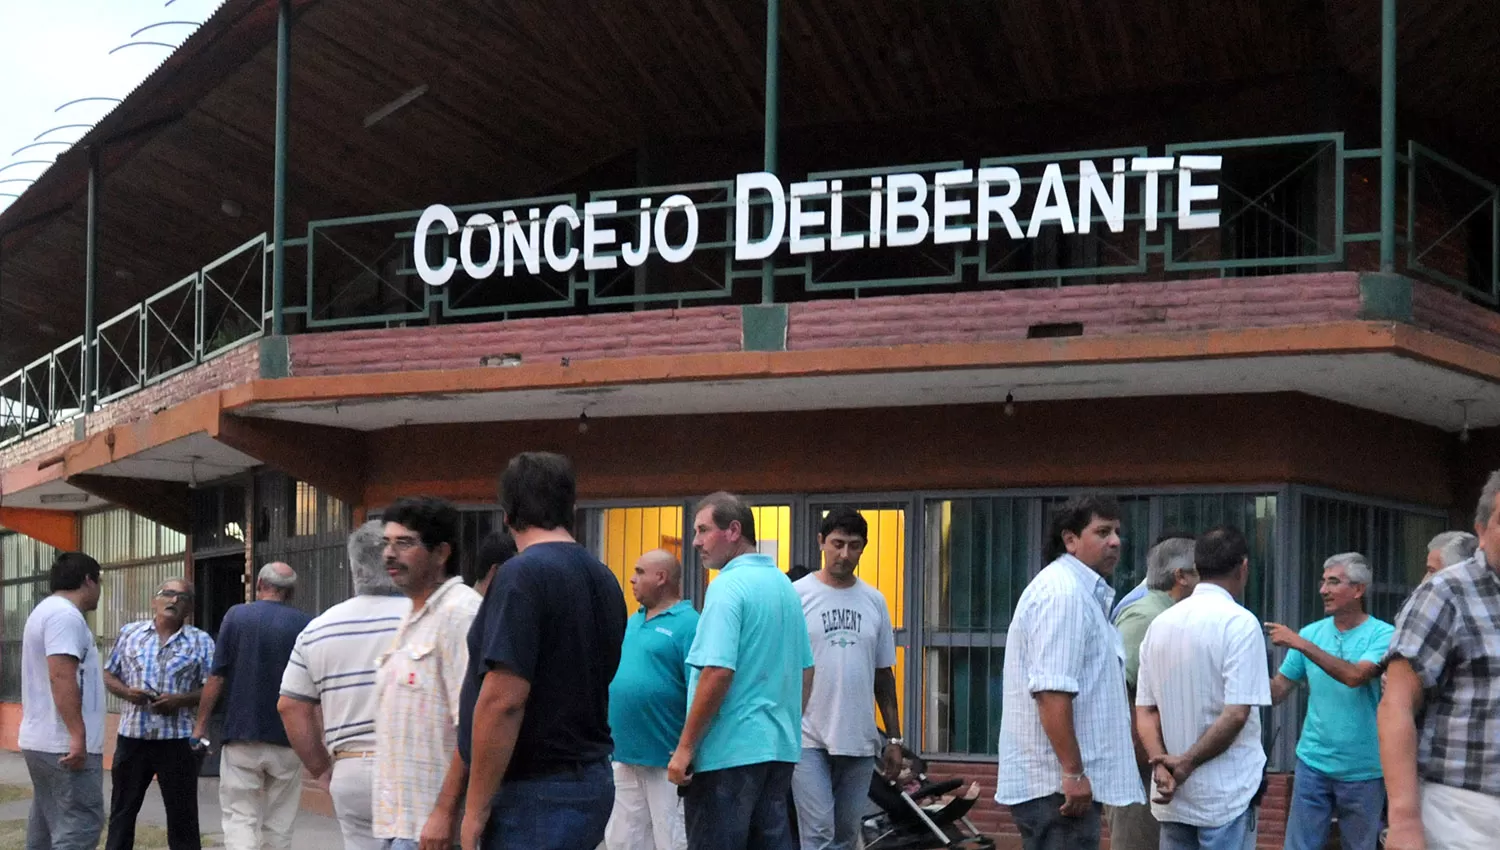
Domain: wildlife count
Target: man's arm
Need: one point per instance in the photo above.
(498, 713)
(713, 686)
(305, 733)
(1343, 672)
(1396, 721)
(62, 677)
(1055, 709)
(172, 703)
(114, 685)
(807, 685)
(437, 833)
(1148, 735)
(1281, 688)
(206, 703)
(1210, 745)
(886, 701)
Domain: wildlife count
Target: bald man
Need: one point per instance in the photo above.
(647, 707)
(259, 773)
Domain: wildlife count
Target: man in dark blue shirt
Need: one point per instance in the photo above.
(542, 651)
(260, 775)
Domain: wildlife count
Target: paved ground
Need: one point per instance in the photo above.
(313, 832)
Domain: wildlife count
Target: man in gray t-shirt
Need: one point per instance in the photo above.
(854, 649)
(62, 711)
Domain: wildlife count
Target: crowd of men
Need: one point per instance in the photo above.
(529, 711)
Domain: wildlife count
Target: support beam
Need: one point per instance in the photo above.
(331, 459)
(166, 502)
(1388, 136)
(278, 225)
(90, 285)
(58, 529)
(772, 130)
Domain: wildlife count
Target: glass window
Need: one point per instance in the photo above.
(625, 534)
(1254, 515)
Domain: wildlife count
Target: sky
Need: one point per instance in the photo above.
(55, 51)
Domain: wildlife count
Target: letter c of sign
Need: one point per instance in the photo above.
(435, 214)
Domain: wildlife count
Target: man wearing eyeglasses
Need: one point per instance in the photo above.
(158, 668)
(259, 773)
(418, 777)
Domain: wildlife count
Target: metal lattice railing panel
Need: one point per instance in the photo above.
(36, 380)
(119, 355)
(12, 408)
(67, 380)
(171, 330)
(1453, 225)
(232, 298)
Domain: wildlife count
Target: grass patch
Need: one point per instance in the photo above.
(10, 793)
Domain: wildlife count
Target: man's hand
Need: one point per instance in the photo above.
(679, 769)
(437, 833)
(1406, 838)
(1281, 635)
(76, 755)
(136, 696)
(476, 818)
(1180, 767)
(1166, 784)
(1079, 796)
(890, 762)
(169, 703)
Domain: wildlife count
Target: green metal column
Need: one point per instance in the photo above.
(1388, 136)
(278, 226)
(773, 110)
(90, 281)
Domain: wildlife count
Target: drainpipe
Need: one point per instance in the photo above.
(1388, 136)
(90, 283)
(773, 108)
(278, 226)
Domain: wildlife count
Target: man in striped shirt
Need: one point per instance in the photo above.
(158, 668)
(1065, 745)
(333, 668)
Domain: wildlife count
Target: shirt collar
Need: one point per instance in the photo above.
(749, 559)
(1209, 588)
(437, 595)
(675, 609)
(1091, 581)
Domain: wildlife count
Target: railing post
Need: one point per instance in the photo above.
(278, 227)
(1388, 136)
(90, 281)
(773, 110)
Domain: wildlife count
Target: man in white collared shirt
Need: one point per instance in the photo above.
(1065, 745)
(1203, 673)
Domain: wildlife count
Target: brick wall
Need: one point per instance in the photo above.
(232, 368)
(1113, 309)
(692, 330)
(1445, 312)
(994, 819)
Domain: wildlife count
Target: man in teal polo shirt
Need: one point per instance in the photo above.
(647, 706)
(1338, 754)
(750, 672)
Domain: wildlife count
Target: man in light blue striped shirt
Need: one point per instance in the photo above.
(1065, 745)
(158, 668)
(333, 667)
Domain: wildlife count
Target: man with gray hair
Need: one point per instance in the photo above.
(1447, 549)
(1170, 578)
(1338, 760)
(258, 772)
(332, 669)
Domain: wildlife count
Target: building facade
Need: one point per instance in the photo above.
(947, 263)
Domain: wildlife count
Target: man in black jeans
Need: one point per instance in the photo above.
(158, 668)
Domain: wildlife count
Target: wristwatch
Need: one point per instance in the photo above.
(895, 742)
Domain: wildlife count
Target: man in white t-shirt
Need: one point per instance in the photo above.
(62, 711)
(333, 667)
(854, 649)
(1204, 673)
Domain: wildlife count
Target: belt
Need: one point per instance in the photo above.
(353, 754)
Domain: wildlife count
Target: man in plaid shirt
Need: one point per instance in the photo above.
(1439, 728)
(158, 668)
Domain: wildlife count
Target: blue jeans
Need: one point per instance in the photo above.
(561, 811)
(1238, 834)
(831, 793)
(67, 806)
(739, 808)
(1317, 797)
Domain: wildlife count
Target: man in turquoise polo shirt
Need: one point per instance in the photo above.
(750, 672)
(1338, 754)
(647, 707)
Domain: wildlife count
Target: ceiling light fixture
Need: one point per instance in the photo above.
(1463, 403)
(583, 422)
(64, 498)
(385, 112)
(231, 208)
(1010, 404)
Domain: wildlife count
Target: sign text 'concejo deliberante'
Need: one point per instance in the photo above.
(900, 209)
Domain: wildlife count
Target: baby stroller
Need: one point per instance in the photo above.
(917, 814)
